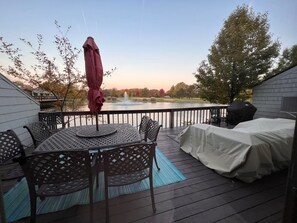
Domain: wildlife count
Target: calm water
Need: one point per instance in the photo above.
(129, 105)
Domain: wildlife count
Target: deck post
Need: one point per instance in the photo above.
(290, 209)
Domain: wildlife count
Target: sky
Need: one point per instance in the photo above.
(152, 43)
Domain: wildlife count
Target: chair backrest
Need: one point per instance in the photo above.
(143, 124)
(10, 146)
(153, 128)
(56, 167)
(215, 115)
(129, 159)
(215, 112)
(39, 132)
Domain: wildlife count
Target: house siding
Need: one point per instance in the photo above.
(267, 96)
(17, 109)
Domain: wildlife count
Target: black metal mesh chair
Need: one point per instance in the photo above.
(39, 132)
(215, 116)
(58, 173)
(143, 126)
(10, 148)
(127, 165)
(152, 131)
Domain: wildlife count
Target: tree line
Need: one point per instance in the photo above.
(180, 90)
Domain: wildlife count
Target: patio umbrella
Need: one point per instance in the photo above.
(94, 73)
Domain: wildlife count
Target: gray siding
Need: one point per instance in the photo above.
(17, 109)
(267, 96)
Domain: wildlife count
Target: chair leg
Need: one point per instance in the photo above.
(155, 158)
(152, 194)
(33, 208)
(106, 205)
(97, 180)
(91, 194)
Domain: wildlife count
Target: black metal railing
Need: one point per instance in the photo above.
(168, 118)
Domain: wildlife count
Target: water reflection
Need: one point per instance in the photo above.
(130, 105)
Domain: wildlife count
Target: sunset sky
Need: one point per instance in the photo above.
(153, 43)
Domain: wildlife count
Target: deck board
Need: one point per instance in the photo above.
(204, 196)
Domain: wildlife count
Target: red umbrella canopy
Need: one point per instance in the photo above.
(94, 73)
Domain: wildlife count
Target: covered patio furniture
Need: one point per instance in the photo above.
(239, 111)
(57, 173)
(39, 131)
(249, 151)
(10, 148)
(127, 165)
(151, 135)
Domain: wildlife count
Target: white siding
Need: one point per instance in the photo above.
(17, 109)
(267, 96)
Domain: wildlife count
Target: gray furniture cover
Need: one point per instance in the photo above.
(249, 151)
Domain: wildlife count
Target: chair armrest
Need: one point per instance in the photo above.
(53, 131)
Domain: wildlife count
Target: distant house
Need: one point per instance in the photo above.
(40, 93)
(17, 108)
(268, 95)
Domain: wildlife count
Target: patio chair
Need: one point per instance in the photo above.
(153, 128)
(143, 125)
(127, 165)
(39, 132)
(215, 116)
(57, 173)
(10, 148)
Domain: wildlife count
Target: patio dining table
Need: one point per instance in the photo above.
(69, 139)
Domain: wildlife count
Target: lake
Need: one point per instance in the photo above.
(130, 105)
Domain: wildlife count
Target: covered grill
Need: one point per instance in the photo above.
(239, 111)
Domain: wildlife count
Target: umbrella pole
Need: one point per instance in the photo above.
(97, 129)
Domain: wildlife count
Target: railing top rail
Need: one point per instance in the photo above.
(169, 117)
(137, 111)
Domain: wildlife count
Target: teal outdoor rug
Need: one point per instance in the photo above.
(17, 201)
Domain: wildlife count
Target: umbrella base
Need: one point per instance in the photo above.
(91, 132)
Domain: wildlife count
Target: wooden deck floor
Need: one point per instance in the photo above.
(204, 197)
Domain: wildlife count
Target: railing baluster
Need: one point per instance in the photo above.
(169, 118)
(108, 118)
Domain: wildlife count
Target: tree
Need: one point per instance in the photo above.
(145, 92)
(240, 54)
(180, 90)
(191, 91)
(287, 59)
(161, 93)
(47, 73)
(114, 93)
(137, 93)
(153, 93)
(170, 92)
